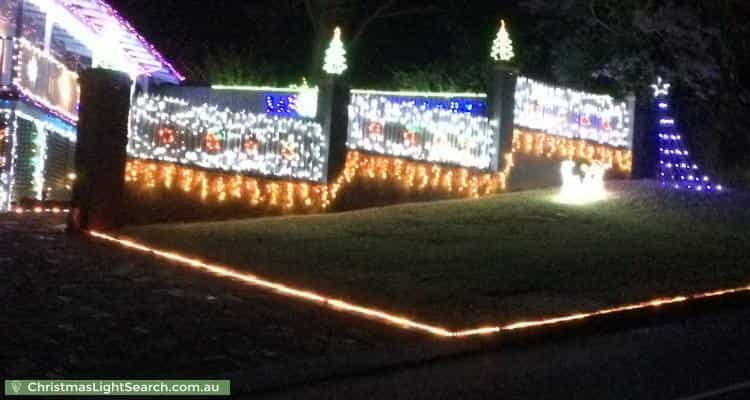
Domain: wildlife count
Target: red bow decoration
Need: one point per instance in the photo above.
(212, 143)
(251, 147)
(410, 138)
(166, 136)
(375, 129)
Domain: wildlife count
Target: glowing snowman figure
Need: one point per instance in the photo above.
(577, 189)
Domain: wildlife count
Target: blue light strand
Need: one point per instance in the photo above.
(473, 107)
(676, 169)
(284, 105)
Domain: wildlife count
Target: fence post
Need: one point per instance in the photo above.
(501, 104)
(634, 140)
(101, 151)
(333, 115)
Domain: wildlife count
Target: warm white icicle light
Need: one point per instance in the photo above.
(502, 47)
(335, 61)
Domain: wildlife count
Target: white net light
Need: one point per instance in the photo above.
(502, 47)
(335, 61)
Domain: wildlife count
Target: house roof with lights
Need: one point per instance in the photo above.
(96, 25)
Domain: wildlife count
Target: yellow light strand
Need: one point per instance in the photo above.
(295, 196)
(541, 145)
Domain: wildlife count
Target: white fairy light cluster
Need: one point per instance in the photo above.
(13, 126)
(585, 188)
(39, 160)
(7, 162)
(37, 157)
(573, 114)
(335, 61)
(307, 102)
(502, 47)
(397, 129)
(112, 56)
(59, 90)
(42, 130)
(172, 130)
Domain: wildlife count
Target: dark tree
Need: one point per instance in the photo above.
(701, 47)
(355, 17)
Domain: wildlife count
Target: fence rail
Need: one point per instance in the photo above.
(173, 130)
(573, 114)
(282, 102)
(439, 129)
(273, 138)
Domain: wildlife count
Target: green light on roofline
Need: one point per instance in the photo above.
(420, 94)
(263, 88)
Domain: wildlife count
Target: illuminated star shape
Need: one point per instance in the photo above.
(661, 88)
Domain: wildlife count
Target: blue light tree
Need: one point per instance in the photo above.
(676, 169)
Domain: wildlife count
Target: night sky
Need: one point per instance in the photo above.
(185, 30)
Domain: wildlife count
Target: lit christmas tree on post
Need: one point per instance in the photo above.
(501, 101)
(502, 47)
(335, 61)
(676, 169)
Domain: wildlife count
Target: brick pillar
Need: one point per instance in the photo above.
(333, 114)
(100, 150)
(501, 106)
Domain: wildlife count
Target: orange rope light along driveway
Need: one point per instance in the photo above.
(392, 319)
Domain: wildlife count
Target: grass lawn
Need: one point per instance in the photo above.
(500, 259)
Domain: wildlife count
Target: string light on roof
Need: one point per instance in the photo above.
(85, 19)
(676, 169)
(110, 54)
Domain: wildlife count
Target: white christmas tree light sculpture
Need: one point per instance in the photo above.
(335, 61)
(502, 47)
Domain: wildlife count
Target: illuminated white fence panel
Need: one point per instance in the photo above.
(573, 114)
(172, 130)
(437, 129)
(301, 102)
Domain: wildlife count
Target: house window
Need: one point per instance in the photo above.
(8, 10)
(34, 24)
(68, 50)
